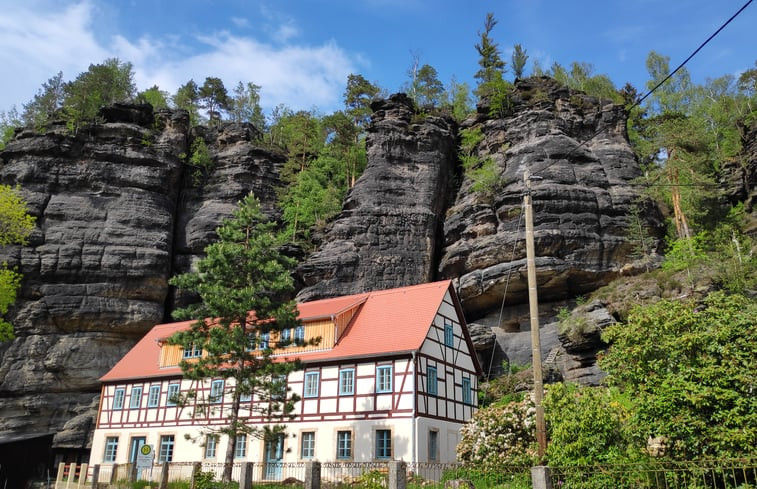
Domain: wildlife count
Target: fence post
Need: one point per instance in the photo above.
(312, 475)
(114, 474)
(61, 471)
(133, 472)
(164, 476)
(245, 475)
(196, 469)
(541, 477)
(71, 475)
(83, 475)
(95, 476)
(397, 474)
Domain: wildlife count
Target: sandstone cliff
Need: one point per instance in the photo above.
(117, 215)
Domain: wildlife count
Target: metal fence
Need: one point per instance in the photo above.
(702, 474)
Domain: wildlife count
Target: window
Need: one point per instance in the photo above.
(347, 382)
(384, 378)
(166, 449)
(279, 388)
(466, 391)
(299, 334)
(153, 397)
(111, 447)
(136, 398)
(311, 384)
(245, 397)
(192, 351)
(264, 341)
(211, 442)
(431, 380)
(343, 445)
(118, 398)
(240, 447)
(172, 396)
(433, 445)
(383, 444)
(307, 444)
(286, 335)
(216, 391)
(449, 333)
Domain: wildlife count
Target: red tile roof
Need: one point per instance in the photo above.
(389, 321)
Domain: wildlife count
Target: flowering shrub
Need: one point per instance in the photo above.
(499, 435)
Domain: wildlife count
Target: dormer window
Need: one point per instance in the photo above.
(192, 351)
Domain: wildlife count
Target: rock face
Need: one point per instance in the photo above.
(577, 150)
(117, 215)
(388, 233)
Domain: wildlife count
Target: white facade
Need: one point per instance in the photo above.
(398, 405)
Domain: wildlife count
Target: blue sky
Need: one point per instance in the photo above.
(301, 51)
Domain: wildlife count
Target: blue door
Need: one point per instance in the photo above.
(274, 455)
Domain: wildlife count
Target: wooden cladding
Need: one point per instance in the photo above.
(171, 355)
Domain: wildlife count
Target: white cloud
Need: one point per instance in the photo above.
(240, 22)
(36, 43)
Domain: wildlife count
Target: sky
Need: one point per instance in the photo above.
(301, 51)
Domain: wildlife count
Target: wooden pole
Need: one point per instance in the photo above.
(533, 303)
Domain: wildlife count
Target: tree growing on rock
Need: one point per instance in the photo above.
(15, 227)
(214, 98)
(242, 317)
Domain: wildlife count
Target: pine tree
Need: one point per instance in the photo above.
(242, 283)
(490, 60)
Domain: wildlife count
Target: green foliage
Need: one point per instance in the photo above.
(425, 87)
(492, 66)
(483, 173)
(581, 77)
(243, 271)
(585, 425)
(244, 105)
(498, 436)
(518, 61)
(689, 372)
(154, 96)
(9, 121)
(358, 95)
(10, 281)
(187, 98)
(499, 94)
(202, 161)
(102, 84)
(45, 103)
(15, 223)
(372, 479)
(214, 98)
(458, 100)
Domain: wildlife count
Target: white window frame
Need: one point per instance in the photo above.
(211, 446)
(111, 449)
(307, 445)
(344, 375)
(118, 398)
(153, 397)
(165, 453)
(240, 446)
(299, 334)
(171, 394)
(135, 397)
(192, 351)
(216, 391)
(431, 381)
(384, 376)
(311, 384)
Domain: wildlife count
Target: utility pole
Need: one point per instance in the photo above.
(533, 303)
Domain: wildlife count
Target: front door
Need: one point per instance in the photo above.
(136, 444)
(274, 455)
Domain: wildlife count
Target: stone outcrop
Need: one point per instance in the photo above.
(577, 150)
(117, 214)
(389, 231)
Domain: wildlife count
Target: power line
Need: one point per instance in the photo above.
(635, 104)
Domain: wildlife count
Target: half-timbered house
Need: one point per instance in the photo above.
(393, 377)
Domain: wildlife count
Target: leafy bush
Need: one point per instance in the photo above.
(499, 435)
(689, 369)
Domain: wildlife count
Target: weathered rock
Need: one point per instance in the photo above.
(117, 215)
(387, 234)
(738, 177)
(576, 148)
